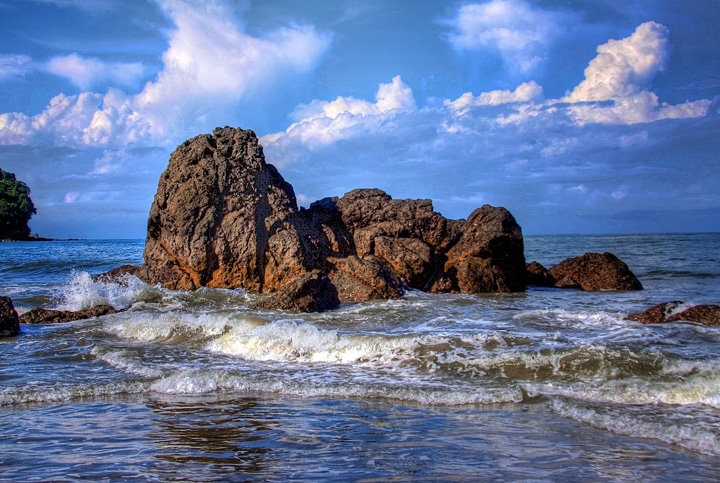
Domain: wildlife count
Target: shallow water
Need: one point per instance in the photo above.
(546, 385)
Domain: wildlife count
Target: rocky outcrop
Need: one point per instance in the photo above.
(224, 218)
(677, 311)
(9, 320)
(310, 292)
(594, 271)
(49, 316)
(538, 276)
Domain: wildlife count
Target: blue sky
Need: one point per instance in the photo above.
(593, 116)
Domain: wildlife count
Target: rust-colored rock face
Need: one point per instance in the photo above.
(223, 218)
(220, 218)
(595, 271)
(676, 311)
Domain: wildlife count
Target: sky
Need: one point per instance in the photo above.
(578, 116)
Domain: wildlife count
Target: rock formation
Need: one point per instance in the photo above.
(9, 321)
(49, 316)
(676, 311)
(594, 271)
(224, 218)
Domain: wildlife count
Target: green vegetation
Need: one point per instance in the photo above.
(16, 207)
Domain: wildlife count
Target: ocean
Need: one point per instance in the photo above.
(545, 385)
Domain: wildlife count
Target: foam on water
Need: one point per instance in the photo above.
(82, 292)
(697, 431)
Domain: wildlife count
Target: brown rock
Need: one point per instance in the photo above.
(595, 271)
(488, 255)
(48, 316)
(361, 279)
(538, 275)
(310, 292)
(9, 320)
(220, 218)
(671, 312)
(223, 218)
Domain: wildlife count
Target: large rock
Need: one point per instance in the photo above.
(48, 316)
(595, 271)
(676, 311)
(487, 256)
(221, 218)
(9, 320)
(224, 218)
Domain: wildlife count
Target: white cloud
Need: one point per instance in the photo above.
(525, 92)
(516, 30)
(625, 67)
(620, 73)
(89, 72)
(346, 117)
(642, 107)
(210, 66)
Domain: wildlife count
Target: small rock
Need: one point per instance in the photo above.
(595, 271)
(310, 292)
(48, 316)
(9, 320)
(673, 312)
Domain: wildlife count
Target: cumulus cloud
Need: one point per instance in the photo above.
(518, 32)
(346, 117)
(525, 92)
(87, 73)
(210, 66)
(625, 67)
(620, 74)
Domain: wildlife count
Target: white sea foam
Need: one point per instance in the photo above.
(701, 432)
(152, 325)
(82, 292)
(125, 360)
(63, 393)
(304, 385)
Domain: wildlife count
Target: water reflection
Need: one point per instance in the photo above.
(219, 436)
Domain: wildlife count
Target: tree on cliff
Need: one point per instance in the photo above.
(16, 207)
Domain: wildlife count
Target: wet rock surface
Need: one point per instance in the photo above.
(48, 316)
(224, 218)
(677, 311)
(9, 320)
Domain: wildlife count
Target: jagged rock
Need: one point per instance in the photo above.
(9, 320)
(361, 279)
(674, 311)
(223, 218)
(48, 316)
(117, 275)
(595, 271)
(488, 255)
(538, 275)
(310, 292)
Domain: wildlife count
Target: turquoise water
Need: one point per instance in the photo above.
(547, 385)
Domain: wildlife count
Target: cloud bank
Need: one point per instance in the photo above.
(210, 66)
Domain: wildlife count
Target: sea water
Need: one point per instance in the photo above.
(545, 385)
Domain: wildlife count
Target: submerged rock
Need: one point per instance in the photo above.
(9, 320)
(49, 316)
(594, 271)
(676, 311)
(224, 218)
